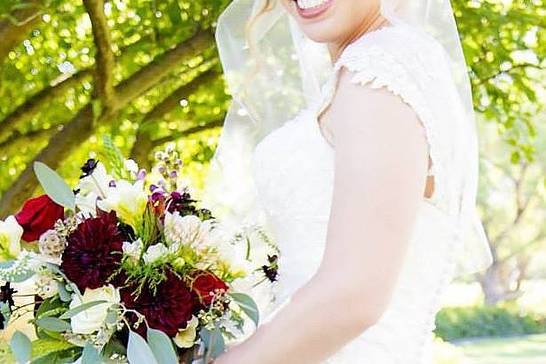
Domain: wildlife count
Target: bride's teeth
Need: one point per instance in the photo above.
(308, 4)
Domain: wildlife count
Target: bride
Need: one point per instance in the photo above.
(351, 137)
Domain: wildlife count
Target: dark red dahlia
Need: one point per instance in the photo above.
(168, 310)
(38, 215)
(206, 285)
(93, 251)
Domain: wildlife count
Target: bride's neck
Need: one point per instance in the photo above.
(371, 23)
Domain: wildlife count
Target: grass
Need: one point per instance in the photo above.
(517, 350)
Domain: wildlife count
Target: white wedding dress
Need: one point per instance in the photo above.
(293, 168)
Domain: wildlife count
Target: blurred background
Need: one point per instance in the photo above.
(147, 73)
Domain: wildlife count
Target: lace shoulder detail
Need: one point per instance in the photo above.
(407, 64)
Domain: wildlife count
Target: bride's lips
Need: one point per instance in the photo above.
(308, 10)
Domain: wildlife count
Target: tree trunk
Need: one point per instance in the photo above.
(59, 147)
(499, 283)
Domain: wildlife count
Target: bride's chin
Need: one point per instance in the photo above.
(324, 31)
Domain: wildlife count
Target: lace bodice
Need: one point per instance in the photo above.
(294, 170)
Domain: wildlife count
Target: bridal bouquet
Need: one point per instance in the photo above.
(127, 268)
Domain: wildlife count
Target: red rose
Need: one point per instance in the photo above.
(206, 286)
(37, 216)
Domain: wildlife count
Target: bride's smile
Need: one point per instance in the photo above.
(310, 9)
(335, 22)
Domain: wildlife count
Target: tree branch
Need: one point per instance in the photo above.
(192, 130)
(105, 63)
(147, 77)
(183, 92)
(143, 143)
(76, 132)
(481, 81)
(28, 137)
(521, 205)
(523, 248)
(34, 105)
(14, 30)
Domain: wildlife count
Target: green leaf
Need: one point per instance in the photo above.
(76, 310)
(247, 304)
(21, 347)
(64, 295)
(114, 346)
(45, 348)
(55, 187)
(111, 316)
(53, 324)
(162, 347)
(138, 351)
(59, 357)
(214, 343)
(5, 311)
(114, 157)
(90, 355)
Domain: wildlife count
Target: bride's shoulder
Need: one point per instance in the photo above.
(393, 48)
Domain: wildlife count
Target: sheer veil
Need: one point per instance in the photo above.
(273, 71)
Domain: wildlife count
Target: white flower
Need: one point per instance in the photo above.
(45, 284)
(87, 203)
(155, 252)
(51, 244)
(133, 249)
(98, 182)
(131, 166)
(186, 229)
(127, 200)
(186, 337)
(39, 260)
(91, 320)
(10, 238)
(91, 188)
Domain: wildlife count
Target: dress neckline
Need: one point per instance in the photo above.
(336, 64)
(329, 87)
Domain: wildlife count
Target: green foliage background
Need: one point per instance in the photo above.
(147, 73)
(47, 76)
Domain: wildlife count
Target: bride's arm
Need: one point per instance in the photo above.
(380, 173)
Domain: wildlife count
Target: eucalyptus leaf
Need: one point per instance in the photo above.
(138, 351)
(162, 347)
(76, 310)
(54, 186)
(247, 304)
(64, 295)
(21, 347)
(90, 355)
(6, 313)
(53, 324)
(111, 316)
(214, 342)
